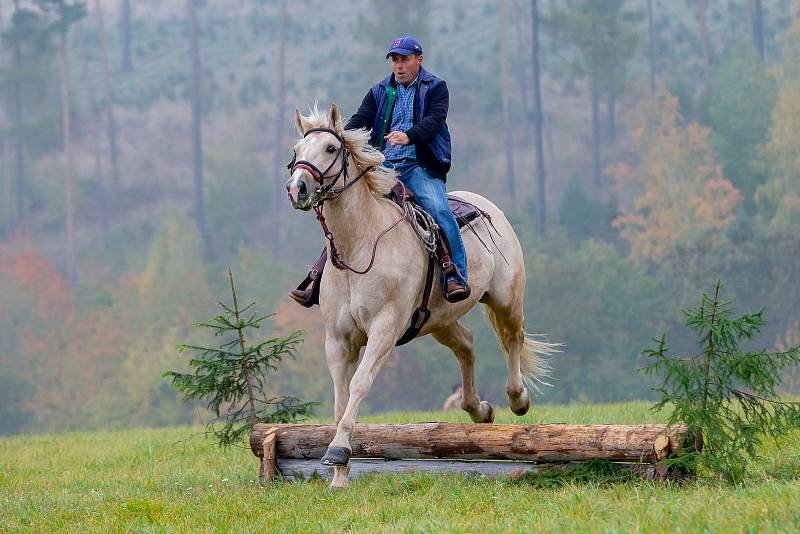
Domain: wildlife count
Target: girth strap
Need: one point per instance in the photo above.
(421, 314)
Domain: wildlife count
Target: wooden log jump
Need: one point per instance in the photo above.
(294, 450)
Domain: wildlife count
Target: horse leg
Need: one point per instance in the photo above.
(507, 321)
(342, 360)
(459, 339)
(379, 346)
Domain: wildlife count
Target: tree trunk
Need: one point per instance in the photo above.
(279, 194)
(125, 35)
(522, 73)
(595, 134)
(542, 443)
(651, 52)
(68, 163)
(111, 121)
(611, 109)
(100, 188)
(549, 144)
(701, 21)
(197, 124)
(5, 155)
(538, 117)
(7, 221)
(509, 136)
(19, 156)
(757, 16)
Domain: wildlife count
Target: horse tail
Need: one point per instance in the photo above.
(534, 360)
(534, 356)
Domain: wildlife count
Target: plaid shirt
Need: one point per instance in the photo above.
(402, 120)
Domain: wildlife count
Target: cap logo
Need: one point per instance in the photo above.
(396, 43)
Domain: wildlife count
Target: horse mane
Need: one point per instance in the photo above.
(380, 179)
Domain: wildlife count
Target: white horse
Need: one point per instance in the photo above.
(373, 309)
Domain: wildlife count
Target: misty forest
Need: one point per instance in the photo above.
(642, 149)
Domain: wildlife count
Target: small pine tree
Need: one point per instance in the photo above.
(725, 395)
(233, 376)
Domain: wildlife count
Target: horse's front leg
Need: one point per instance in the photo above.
(381, 340)
(342, 358)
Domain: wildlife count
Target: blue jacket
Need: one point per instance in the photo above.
(429, 133)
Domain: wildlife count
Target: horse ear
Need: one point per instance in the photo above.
(300, 122)
(335, 118)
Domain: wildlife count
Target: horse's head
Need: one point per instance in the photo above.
(320, 158)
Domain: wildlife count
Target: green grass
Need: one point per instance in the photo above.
(176, 480)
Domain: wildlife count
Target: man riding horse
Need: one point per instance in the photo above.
(367, 298)
(407, 113)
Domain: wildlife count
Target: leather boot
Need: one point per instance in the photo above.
(455, 291)
(452, 289)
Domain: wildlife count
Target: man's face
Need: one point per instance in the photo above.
(405, 68)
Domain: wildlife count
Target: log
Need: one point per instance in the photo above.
(297, 469)
(558, 443)
(294, 469)
(269, 468)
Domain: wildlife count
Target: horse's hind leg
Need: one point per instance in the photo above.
(507, 320)
(459, 339)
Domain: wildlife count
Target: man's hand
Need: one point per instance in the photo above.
(397, 138)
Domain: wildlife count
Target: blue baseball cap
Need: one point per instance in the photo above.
(404, 46)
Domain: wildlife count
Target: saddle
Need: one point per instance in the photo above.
(464, 213)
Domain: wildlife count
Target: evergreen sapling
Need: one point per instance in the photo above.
(724, 394)
(233, 376)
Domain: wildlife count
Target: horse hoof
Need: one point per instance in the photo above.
(336, 456)
(487, 412)
(523, 407)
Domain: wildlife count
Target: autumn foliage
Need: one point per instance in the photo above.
(780, 195)
(308, 373)
(82, 363)
(676, 188)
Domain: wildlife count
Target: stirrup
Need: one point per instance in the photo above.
(304, 295)
(307, 293)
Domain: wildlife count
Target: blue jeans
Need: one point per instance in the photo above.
(432, 196)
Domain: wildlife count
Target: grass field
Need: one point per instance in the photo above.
(176, 480)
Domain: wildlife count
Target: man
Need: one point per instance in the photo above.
(407, 113)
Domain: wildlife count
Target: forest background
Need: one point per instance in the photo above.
(142, 152)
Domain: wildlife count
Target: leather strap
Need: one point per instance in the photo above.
(443, 253)
(337, 260)
(421, 314)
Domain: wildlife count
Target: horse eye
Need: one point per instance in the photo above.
(331, 149)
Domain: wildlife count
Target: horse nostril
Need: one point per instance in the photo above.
(302, 189)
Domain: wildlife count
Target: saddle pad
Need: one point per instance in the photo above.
(463, 211)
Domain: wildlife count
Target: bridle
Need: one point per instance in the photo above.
(327, 192)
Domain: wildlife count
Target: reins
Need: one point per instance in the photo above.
(327, 192)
